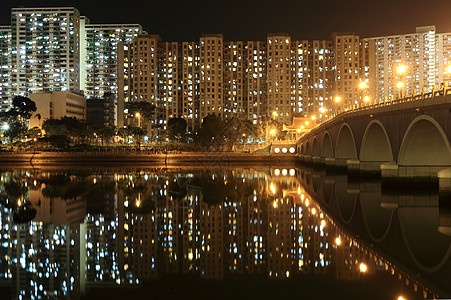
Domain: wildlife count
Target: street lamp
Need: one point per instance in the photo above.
(337, 100)
(274, 114)
(363, 86)
(399, 85)
(139, 119)
(448, 71)
(401, 69)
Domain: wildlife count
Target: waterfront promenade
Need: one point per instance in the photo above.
(121, 157)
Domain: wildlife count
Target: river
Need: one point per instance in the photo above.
(216, 231)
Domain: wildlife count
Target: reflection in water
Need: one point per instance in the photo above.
(65, 231)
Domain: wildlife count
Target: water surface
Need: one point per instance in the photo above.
(218, 232)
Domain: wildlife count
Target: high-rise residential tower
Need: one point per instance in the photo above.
(45, 50)
(211, 65)
(280, 105)
(347, 46)
(425, 55)
(5, 67)
(98, 55)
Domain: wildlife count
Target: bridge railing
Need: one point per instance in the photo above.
(381, 104)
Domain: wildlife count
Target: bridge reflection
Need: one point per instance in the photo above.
(411, 227)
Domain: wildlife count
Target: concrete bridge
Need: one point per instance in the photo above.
(406, 138)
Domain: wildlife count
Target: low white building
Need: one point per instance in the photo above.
(55, 105)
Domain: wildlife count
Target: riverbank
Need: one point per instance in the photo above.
(47, 158)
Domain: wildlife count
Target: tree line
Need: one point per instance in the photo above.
(214, 133)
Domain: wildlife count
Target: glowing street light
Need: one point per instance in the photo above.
(338, 241)
(366, 99)
(363, 268)
(5, 127)
(272, 188)
(138, 115)
(313, 117)
(337, 99)
(273, 132)
(363, 85)
(401, 69)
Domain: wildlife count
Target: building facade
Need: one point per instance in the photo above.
(55, 105)
(57, 49)
(45, 50)
(425, 54)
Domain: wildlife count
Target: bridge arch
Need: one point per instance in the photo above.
(302, 149)
(315, 147)
(308, 149)
(376, 145)
(345, 146)
(327, 149)
(424, 143)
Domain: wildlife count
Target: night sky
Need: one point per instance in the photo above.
(186, 20)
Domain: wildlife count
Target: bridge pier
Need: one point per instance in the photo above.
(341, 163)
(329, 161)
(415, 176)
(316, 160)
(353, 165)
(444, 181)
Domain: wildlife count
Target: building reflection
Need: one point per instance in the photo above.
(119, 227)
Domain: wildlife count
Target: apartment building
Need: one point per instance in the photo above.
(45, 52)
(211, 65)
(313, 80)
(98, 55)
(256, 77)
(234, 80)
(425, 54)
(347, 47)
(280, 105)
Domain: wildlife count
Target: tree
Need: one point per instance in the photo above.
(144, 108)
(74, 128)
(107, 133)
(210, 131)
(34, 133)
(16, 130)
(138, 133)
(23, 107)
(176, 129)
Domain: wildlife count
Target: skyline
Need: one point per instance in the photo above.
(254, 20)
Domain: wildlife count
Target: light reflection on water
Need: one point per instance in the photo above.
(65, 231)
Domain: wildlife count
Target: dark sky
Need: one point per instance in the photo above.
(186, 20)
